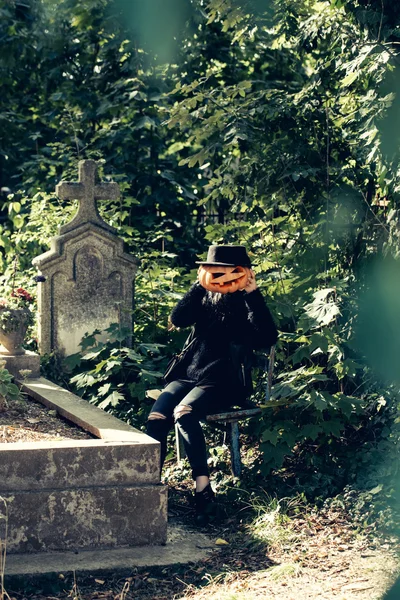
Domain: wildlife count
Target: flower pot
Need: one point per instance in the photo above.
(13, 325)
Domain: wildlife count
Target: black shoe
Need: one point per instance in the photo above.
(205, 505)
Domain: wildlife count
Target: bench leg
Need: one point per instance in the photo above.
(180, 448)
(234, 447)
(236, 464)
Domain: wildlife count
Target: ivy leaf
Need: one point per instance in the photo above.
(154, 374)
(273, 455)
(349, 79)
(89, 340)
(270, 435)
(300, 354)
(113, 364)
(286, 390)
(348, 405)
(104, 389)
(72, 361)
(91, 355)
(84, 380)
(322, 310)
(145, 122)
(311, 431)
(113, 400)
(318, 400)
(333, 427)
(319, 341)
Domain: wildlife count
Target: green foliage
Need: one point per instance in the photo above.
(9, 392)
(291, 144)
(16, 303)
(158, 287)
(74, 86)
(113, 376)
(269, 526)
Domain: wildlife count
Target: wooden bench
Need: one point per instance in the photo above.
(229, 422)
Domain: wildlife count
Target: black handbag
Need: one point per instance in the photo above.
(242, 360)
(171, 372)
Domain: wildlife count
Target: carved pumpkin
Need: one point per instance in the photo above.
(223, 279)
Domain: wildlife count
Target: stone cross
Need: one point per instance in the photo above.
(87, 190)
(88, 276)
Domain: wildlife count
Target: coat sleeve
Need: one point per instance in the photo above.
(187, 310)
(260, 330)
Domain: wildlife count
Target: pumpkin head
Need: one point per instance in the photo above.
(223, 279)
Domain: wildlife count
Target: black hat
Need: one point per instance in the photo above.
(226, 256)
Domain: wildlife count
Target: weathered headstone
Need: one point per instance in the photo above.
(88, 276)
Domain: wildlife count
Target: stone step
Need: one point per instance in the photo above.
(78, 463)
(54, 570)
(84, 518)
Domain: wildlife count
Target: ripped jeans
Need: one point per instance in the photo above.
(181, 401)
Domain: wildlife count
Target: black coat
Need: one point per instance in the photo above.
(228, 327)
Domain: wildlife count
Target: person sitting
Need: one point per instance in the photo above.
(230, 319)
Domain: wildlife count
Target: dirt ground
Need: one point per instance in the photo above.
(323, 563)
(312, 556)
(30, 421)
(316, 556)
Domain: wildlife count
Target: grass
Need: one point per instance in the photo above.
(271, 526)
(216, 588)
(284, 571)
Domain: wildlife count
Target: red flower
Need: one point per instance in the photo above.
(23, 294)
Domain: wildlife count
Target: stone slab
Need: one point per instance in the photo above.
(107, 517)
(83, 414)
(77, 463)
(29, 360)
(78, 494)
(182, 547)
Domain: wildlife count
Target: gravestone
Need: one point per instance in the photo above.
(102, 493)
(88, 276)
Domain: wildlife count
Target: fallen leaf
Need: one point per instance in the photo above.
(32, 421)
(101, 581)
(221, 542)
